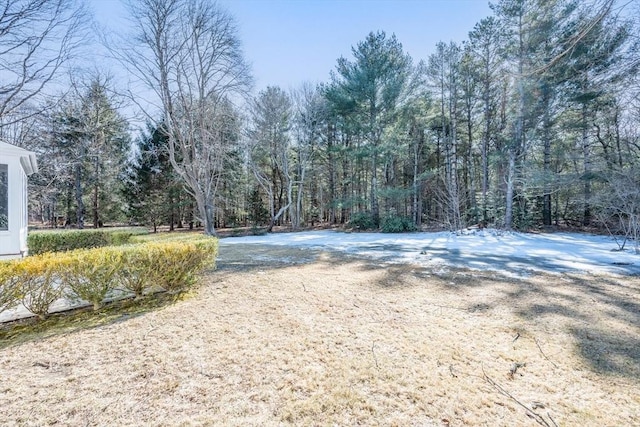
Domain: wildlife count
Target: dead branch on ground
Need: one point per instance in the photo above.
(545, 356)
(530, 412)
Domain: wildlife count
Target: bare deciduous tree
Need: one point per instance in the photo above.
(37, 38)
(618, 208)
(188, 53)
(310, 110)
(269, 146)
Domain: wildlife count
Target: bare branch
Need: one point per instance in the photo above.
(37, 38)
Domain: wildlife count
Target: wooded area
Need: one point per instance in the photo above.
(531, 122)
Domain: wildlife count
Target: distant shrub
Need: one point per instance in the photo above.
(67, 240)
(120, 237)
(166, 237)
(257, 231)
(362, 221)
(59, 241)
(397, 224)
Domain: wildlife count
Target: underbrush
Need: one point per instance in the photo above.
(364, 221)
(397, 224)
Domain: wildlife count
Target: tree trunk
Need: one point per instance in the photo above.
(470, 164)
(332, 173)
(586, 152)
(375, 208)
(345, 210)
(69, 204)
(78, 193)
(300, 192)
(96, 218)
(453, 158)
(276, 217)
(417, 214)
(510, 184)
(209, 218)
(485, 143)
(518, 145)
(546, 196)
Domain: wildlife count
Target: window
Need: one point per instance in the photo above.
(4, 197)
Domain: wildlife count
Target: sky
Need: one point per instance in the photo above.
(289, 42)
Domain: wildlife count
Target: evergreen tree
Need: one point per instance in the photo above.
(371, 88)
(150, 182)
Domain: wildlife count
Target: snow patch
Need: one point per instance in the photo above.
(487, 249)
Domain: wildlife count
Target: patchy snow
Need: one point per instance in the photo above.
(508, 252)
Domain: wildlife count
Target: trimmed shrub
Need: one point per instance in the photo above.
(59, 241)
(362, 221)
(39, 282)
(136, 269)
(9, 285)
(170, 264)
(397, 224)
(178, 263)
(67, 240)
(118, 238)
(91, 274)
(181, 236)
(208, 247)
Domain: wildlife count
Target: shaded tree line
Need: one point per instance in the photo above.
(528, 123)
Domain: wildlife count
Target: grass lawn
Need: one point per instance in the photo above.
(289, 336)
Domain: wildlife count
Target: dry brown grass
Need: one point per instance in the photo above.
(325, 340)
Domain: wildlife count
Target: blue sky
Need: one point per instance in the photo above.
(292, 41)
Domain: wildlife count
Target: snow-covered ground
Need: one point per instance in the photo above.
(509, 252)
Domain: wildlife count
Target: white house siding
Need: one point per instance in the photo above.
(13, 242)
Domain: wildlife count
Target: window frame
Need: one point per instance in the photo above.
(4, 201)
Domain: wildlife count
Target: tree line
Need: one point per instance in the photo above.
(530, 122)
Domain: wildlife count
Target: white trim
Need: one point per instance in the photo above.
(28, 159)
(20, 163)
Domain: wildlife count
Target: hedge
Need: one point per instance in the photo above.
(40, 242)
(34, 282)
(94, 275)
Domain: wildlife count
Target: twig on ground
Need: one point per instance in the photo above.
(530, 413)
(148, 332)
(42, 364)
(545, 356)
(374, 354)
